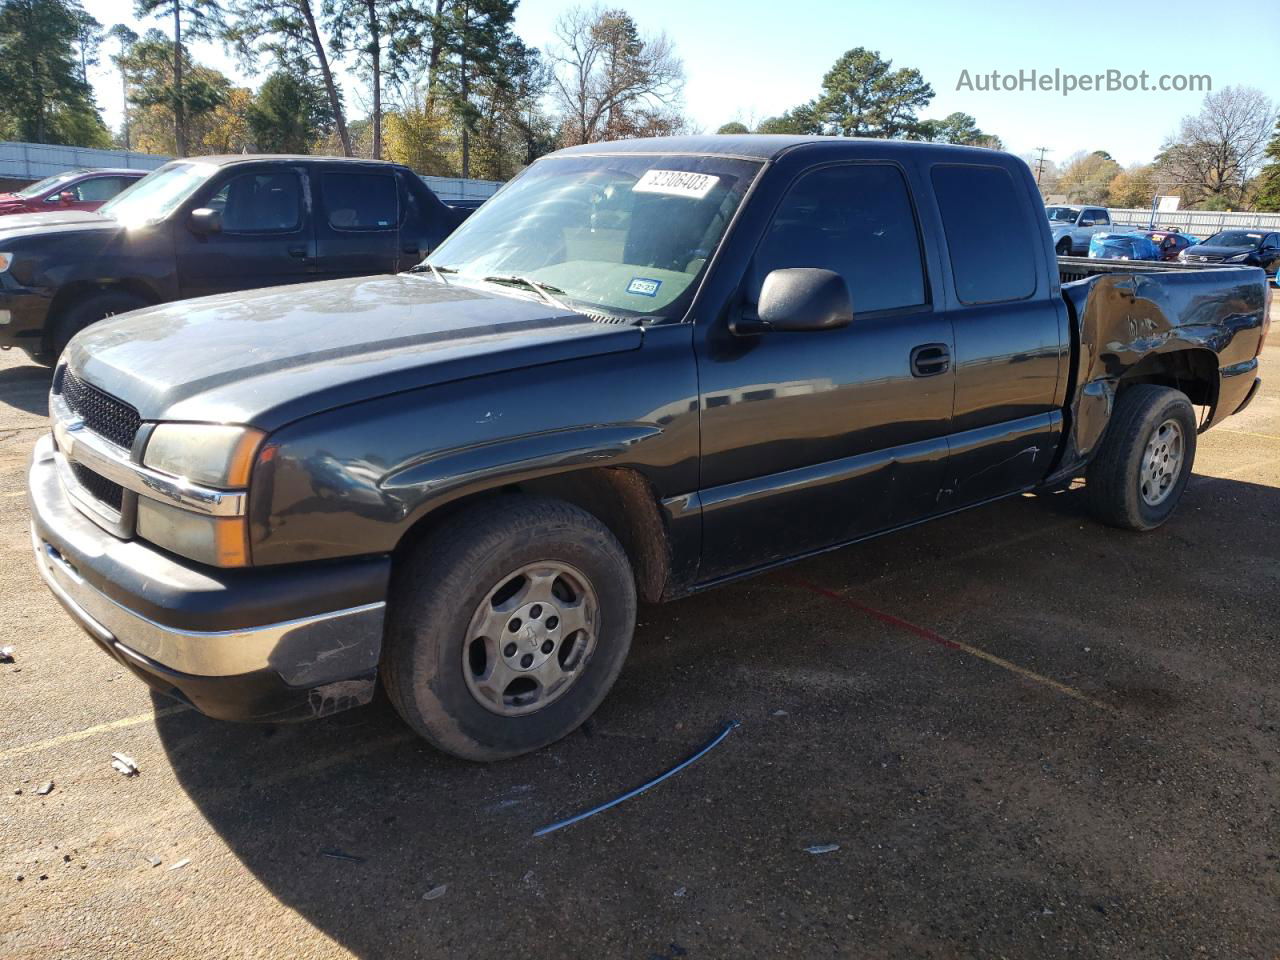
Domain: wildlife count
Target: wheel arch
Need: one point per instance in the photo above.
(621, 498)
(77, 291)
(1191, 370)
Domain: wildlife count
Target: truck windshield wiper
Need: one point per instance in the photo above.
(545, 291)
(437, 272)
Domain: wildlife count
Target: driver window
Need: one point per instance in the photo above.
(856, 220)
(259, 203)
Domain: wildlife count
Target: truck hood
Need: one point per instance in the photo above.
(268, 357)
(55, 221)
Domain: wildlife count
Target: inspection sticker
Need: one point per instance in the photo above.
(676, 183)
(644, 286)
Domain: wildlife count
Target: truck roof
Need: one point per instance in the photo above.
(763, 146)
(227, 159)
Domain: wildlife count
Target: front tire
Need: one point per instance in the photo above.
(1064, 248)
(87, 312)
(1144, 463)
(508, 627)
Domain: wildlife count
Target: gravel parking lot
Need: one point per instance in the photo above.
(1025, 734)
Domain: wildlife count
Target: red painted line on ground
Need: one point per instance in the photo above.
(927, 634)
(871, 611)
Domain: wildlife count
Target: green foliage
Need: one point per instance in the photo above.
(956, 128)
(46, 98)
(733, 126)
(148, 67)
(1267, 195)
(200, 19)
(289, 114)
(801, 120)
(287, 34)
(863, 96)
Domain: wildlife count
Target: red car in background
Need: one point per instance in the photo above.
(73, 190)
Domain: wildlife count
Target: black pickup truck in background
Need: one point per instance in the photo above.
(642, 369)
(211, 225)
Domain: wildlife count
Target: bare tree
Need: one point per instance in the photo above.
(609, 81)
(1217, 150)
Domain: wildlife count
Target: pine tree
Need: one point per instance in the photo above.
(46, 98)
(201, 20)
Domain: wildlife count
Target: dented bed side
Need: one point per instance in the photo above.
(1198, 329)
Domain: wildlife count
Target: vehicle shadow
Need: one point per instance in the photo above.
(356, 825)
(26, 387)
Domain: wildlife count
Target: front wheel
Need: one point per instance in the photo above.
(1064, 248)
(87, 312)
(1144, 463)
(507, 627)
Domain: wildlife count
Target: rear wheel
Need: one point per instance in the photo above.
(508, 627)
(89, 311)
(1142, 468)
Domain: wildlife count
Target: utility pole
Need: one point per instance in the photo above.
(1040, 163)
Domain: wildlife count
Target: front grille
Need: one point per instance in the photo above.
(99, 487)
(101, 412)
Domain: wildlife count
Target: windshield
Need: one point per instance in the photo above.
(1062, 213)
(1234, 238)
(626, 236)
(158, 193)
(48, 183)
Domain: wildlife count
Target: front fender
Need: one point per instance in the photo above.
(357, 479)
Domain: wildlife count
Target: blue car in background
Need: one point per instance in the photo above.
(1131, 245)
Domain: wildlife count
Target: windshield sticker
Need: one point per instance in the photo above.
(645, 286)
(676, 183)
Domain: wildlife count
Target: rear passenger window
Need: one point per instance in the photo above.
(102, 188)
(856, 220)
(259, 203)
(989, 233)
(360, 201)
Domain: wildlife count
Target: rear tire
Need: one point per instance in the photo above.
(507, 627)
(1144, 463)
(87, 312)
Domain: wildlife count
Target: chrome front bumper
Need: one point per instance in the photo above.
(305, 656)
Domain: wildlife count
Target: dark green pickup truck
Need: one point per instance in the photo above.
(642, 369)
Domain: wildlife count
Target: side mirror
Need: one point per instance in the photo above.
(796, 299)
(204, 221)
(1087, 223)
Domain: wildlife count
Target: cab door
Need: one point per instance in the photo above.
(1011, 339)
(357, 220)
(265, 239)
(812, 439)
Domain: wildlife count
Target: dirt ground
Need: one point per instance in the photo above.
(1025, 734)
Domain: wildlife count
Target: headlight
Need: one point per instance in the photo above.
(5, 260)
(203, 455)
(1238, 258)
(207, 454)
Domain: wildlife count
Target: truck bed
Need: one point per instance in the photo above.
(1071, 269)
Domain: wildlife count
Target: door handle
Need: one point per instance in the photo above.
(298, 250)
(930, 359)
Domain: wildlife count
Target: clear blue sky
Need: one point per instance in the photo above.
(752, 59)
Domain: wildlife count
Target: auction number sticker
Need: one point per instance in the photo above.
(676, 183)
